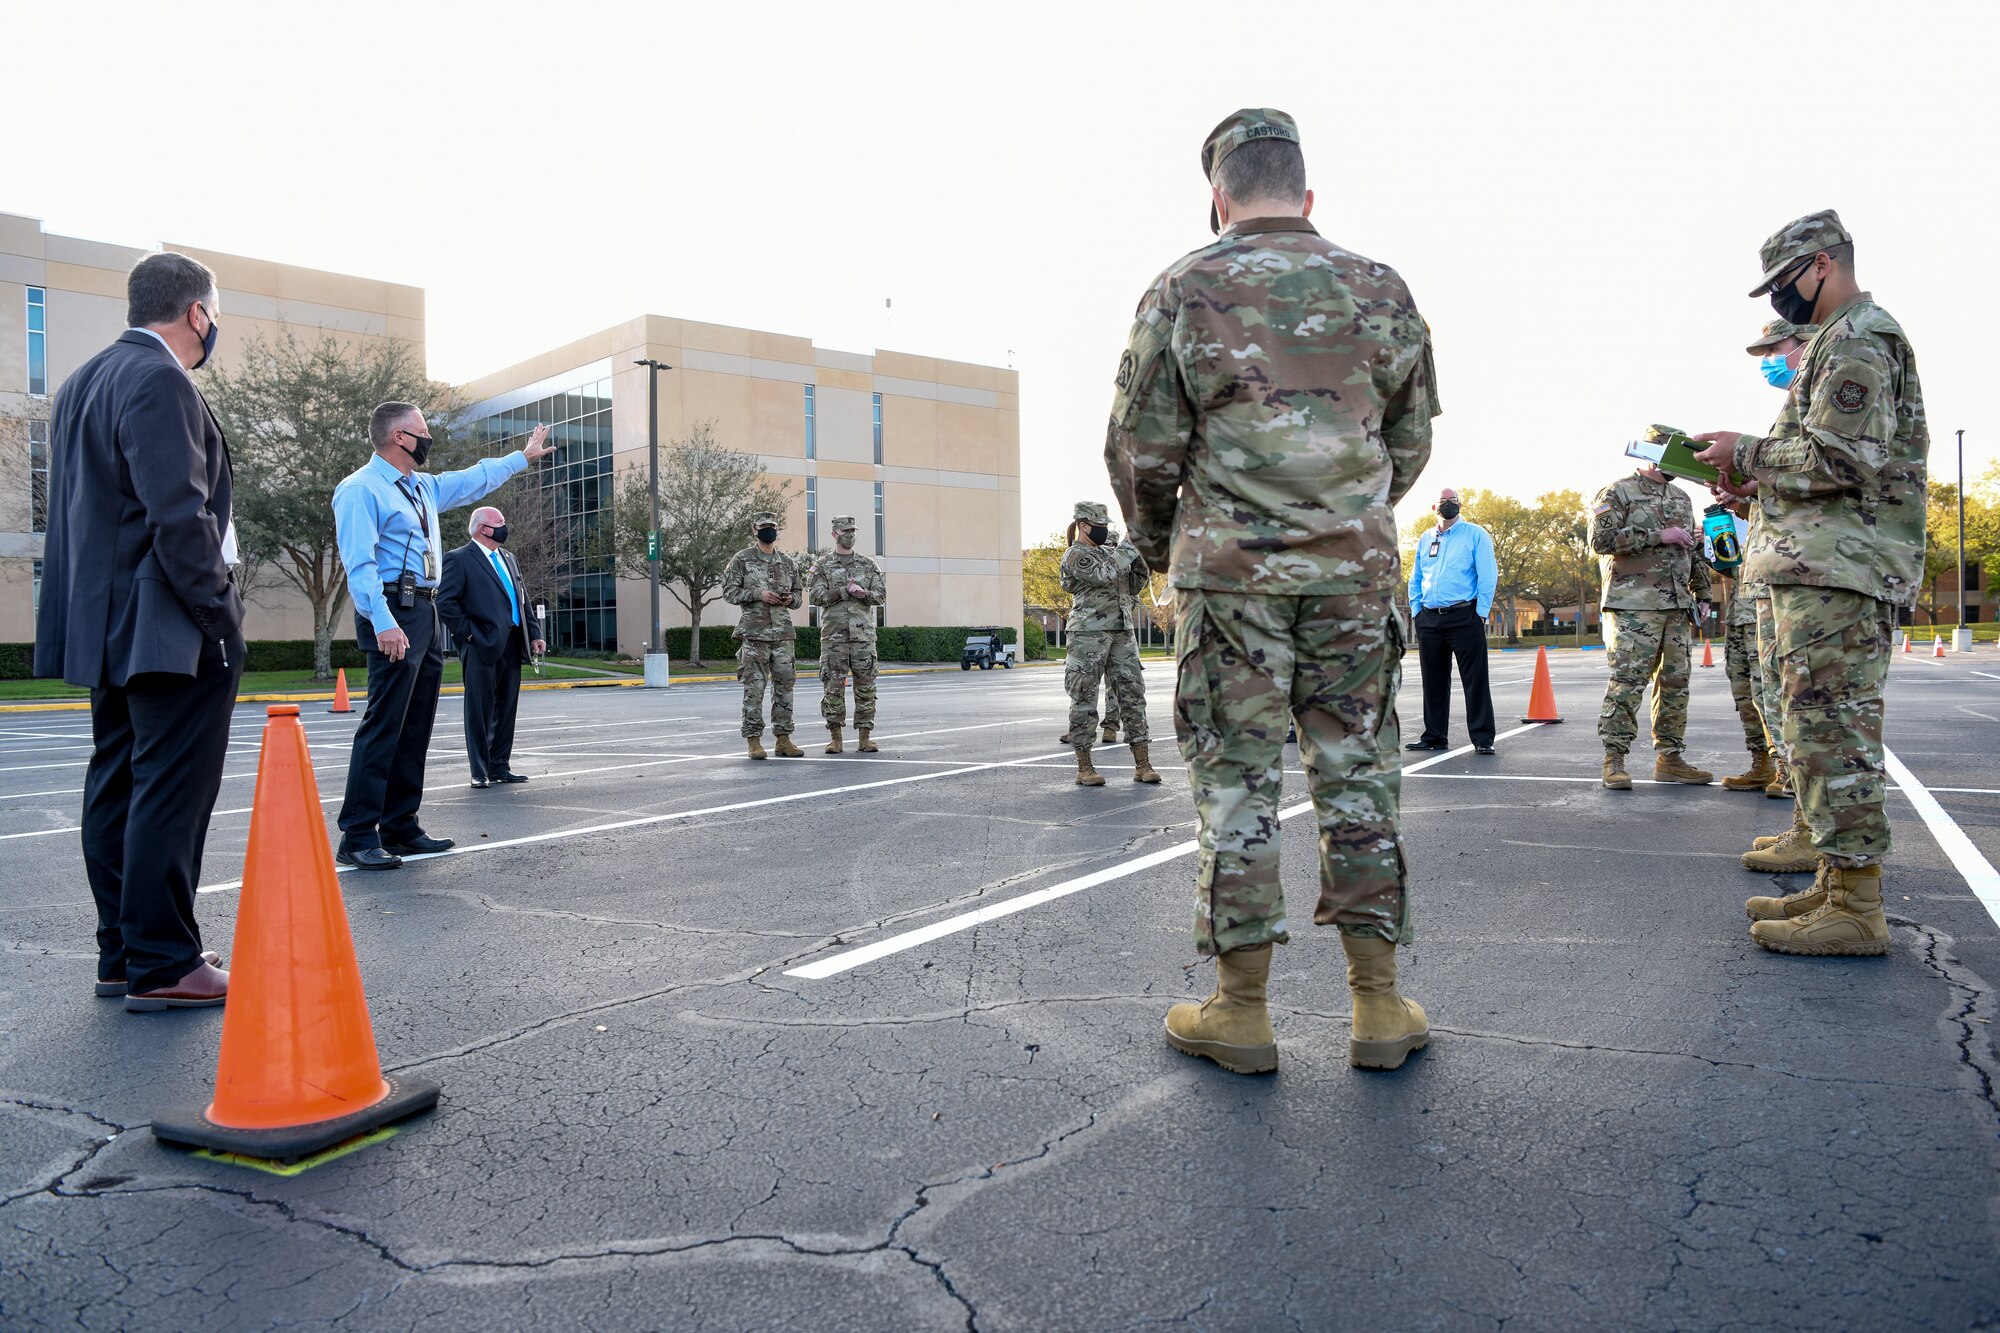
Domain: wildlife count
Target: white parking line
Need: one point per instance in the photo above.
(1977, 870)
(910, 939)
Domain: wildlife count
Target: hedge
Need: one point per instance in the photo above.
(1037, 640)
(17, 660)
(893, 643)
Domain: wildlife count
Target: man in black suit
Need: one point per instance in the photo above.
(140, 606)
(484, 605)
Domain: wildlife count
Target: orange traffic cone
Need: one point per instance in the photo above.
(1707, 652)
(1906, 641)
(340, 704)
(1542, 698)
(1937, 645)
(298, 1070)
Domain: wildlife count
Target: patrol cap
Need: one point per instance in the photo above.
(1799, 240)
(1090, 511)
(844, 523)
(1246, 126)
(763, 516)
(1777, 330)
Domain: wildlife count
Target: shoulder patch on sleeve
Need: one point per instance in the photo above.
(1850, 396)
(1604, 508)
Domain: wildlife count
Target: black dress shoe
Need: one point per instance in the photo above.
(368, 858)
(421, 845)
(509, 776)
(480, 784)
(1425, 745)
(1482, 749)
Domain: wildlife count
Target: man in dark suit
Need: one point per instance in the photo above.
(140, 606)
(484, 605)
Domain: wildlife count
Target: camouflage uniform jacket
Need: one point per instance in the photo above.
(751, 571)
(1841, 479)
(1102, 582)
(1640, 572)
(842, 613)
(1273, 402)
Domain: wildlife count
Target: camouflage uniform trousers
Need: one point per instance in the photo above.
(1831, 650)
(1739, 658)
(1646, 646)
(839, 658)
(1249, 665)
(1110, 656)
(756, 663)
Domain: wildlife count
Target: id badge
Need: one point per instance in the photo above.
(430, 566)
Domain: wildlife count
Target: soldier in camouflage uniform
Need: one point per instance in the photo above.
(1099, 578)
(1273, 403)
(1739, 660)
(847, 587)
(1841, 482)
(765, 582)
(1643, 530)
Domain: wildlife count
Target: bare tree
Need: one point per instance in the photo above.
(297, 421)
(707, 495)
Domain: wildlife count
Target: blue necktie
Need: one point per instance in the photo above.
(513, 602)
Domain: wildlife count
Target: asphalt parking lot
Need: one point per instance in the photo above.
(873, 1042)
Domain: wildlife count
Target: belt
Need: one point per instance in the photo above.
(1453, 606)
(396, 590)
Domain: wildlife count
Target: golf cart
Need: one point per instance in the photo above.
(983, 649)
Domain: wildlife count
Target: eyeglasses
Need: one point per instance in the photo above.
(1791, 275)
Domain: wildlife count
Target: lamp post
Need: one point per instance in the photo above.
(657, 666)
(1961, 639)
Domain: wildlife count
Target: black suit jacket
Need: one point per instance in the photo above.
(473, 604)
(133, 578)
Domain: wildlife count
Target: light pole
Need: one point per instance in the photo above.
(1961, 639)
(656, 645)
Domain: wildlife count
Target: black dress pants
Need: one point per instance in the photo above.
(158, 745)
(385, 776)
(1454, 632)
(492, 697)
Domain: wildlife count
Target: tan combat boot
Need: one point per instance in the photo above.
(1791, 854)
(1780, 787)
(1792, 905)
(1848, 924)
(1086, 773)
(1231, 1027)
(784, 749)
(1110, 731)
(1761, 773)
(867, 746)
(1773, 839)
(833, 746)
(756, 744)
(1064, 739)
(1142, 764)
(1670, 767)
(1615, 776)
(1387, 1026)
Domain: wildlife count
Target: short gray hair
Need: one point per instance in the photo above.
(1272, 169)
(472, 524)
(385, 421)
(161, 287)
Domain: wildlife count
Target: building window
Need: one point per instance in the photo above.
(580, 481)
(878, 430)
(38, 346)
(812, 514)
(37, 575)
(812, 440)
(880, 548)
(38, 476)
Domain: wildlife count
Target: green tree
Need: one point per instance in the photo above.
(707, 495)
(1041, 574)
(297, 420)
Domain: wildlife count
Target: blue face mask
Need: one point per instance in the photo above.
(1777, 374)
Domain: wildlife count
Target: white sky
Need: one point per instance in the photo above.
(1575, 192)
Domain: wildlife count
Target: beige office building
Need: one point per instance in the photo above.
(924, 453)
(62, 300)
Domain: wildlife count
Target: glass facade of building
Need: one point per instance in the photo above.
(579, 475)
(881, 547)
(38, 341)
(878, 430)
(812, 515)
(38, 476)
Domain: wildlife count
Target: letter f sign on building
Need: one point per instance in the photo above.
(653, 546)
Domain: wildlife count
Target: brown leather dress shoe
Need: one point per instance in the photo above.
(113, 987)
(207, 985)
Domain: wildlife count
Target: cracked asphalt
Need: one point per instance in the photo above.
(1629, 1116)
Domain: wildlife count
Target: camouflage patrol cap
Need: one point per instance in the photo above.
(763, 516)
(1090, 511)
(1799, 240)
(1247, 125)
(844, 523)
(1777, 330)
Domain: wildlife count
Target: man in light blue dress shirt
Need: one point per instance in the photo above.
(1452, 580)
(386, 516)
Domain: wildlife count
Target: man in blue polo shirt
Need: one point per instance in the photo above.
(1451, 590)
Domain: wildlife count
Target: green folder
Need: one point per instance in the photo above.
(1673, 453)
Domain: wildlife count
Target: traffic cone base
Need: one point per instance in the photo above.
(340, 702)
(1542, 698)
(298, 1069)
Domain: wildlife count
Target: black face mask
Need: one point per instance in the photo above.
(422, 449)
(1448, 509)
(207, 340)
(499, 534)
(1099, 534)
(767, 535)
(1791, 304)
